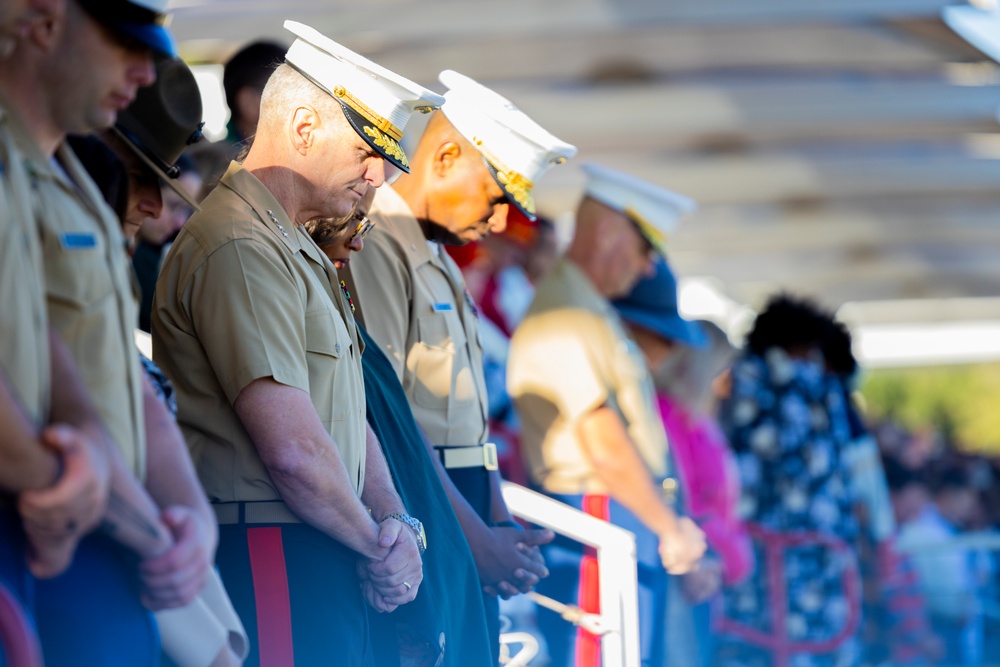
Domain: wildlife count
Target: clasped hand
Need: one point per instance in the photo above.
(395, 578)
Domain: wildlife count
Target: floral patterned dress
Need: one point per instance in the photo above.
(787, 423)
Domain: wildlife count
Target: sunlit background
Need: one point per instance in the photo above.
(848, 150)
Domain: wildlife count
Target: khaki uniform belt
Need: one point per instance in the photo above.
(477, 456)
(269, 511)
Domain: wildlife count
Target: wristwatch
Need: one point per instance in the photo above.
(414, 524)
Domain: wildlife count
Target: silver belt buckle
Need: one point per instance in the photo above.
(490, 461)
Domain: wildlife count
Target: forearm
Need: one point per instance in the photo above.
(170, 476)
(132, 518)
(25, 463)
(615, 460)
(379, 493)
(304, 463)
(317, 489)
(498, 508)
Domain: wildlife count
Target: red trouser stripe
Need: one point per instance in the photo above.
(588, 646)
(270, 589)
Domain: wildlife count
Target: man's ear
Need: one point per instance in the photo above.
(45, 23)
(303, 127)
(445, 157)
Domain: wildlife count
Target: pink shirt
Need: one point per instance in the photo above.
(710, 482)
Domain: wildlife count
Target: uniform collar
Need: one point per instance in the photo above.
(40, 166)
(268, 209)
(390, 205)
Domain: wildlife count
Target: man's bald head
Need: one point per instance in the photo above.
(449, 188)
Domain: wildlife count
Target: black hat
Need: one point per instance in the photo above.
(164, 119)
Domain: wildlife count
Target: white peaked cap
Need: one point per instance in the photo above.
(655, 210)
(377, 102)
(517, 149)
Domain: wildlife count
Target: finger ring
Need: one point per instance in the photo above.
(407, 584)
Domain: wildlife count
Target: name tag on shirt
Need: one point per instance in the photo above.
(78, 241)
(441, 307)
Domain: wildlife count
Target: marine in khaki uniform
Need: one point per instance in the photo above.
(478, 155)
(591, 435)
(74, 73)
(250, 323)
(61, 467)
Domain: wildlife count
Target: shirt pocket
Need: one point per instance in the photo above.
(431, 361)
(440, 364)
(78, 277)
(328, 346)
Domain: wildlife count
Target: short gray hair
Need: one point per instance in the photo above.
(287, 89)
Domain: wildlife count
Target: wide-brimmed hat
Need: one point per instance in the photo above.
(164, 120)
(377, 102)
(652, 305)
(142, 20)
(516, 149)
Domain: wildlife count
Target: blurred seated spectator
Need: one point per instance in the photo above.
(929, 523)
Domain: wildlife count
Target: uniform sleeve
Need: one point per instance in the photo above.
(558, 359)
(383, 291)
(246, 309)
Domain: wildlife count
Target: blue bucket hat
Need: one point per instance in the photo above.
(141, 20)
(652, 305)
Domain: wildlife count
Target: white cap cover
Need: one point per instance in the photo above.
(517, 149)
(377, 102)
(655, 210)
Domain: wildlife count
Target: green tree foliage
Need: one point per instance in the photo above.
(963, 402)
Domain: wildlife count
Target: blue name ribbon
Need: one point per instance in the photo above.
(440, 307)
(78, 240)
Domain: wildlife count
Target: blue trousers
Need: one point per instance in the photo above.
(14, 574)
(563, 557)
(298, 594)
(90, 616)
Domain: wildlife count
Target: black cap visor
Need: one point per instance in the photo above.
(517, 194)
(385, 145)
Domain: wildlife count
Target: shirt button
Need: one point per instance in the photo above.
(337, 348)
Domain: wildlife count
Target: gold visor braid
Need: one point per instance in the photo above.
(378, 121)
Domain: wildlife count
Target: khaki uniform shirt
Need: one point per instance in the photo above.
(238, 299)
(91, 302)
(24, 326)
(570, 356)
(414, 303)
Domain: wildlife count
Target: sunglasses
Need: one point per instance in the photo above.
(364, 226)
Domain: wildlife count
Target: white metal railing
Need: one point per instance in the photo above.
(618, 622)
